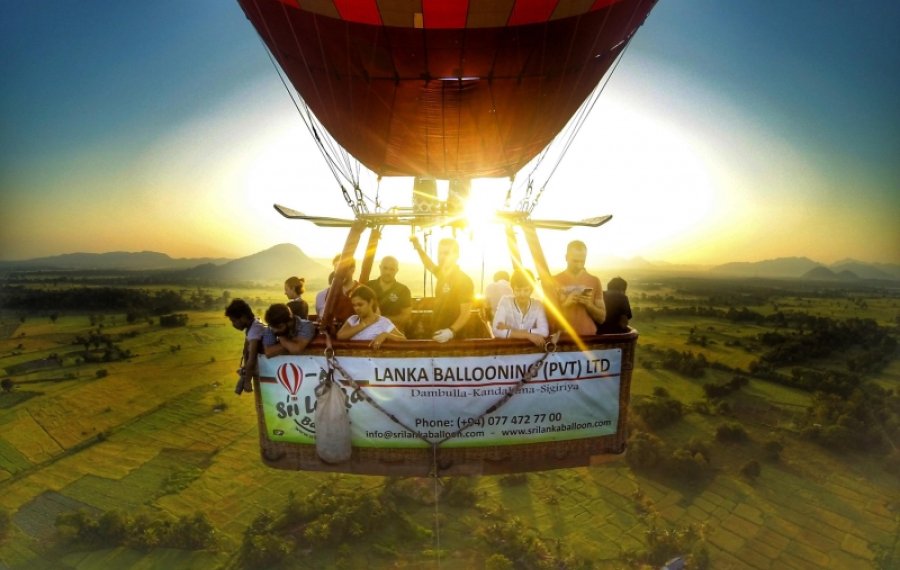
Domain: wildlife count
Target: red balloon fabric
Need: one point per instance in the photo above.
(445, 88)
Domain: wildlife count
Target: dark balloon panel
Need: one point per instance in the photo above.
(445, 89)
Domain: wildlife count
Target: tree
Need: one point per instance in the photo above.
(660, 412)
(687, 465)
(751, 469)
(644, 450)
(7, 385)
(731, 433)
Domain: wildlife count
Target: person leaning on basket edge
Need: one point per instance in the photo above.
(287, 334)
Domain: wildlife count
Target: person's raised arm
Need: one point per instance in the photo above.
(426, 261)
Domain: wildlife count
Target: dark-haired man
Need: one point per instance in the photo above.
(242, 318)
(287, 334)
(394, 298)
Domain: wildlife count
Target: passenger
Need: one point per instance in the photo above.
(618, 309)
(242, 318)
(519, 315)
(293, 290)
(496, 291)
(342, 307)
(367, 324)
(453, 294)
(394, 297)
(322, 295)
(579, 293)
(287, 334)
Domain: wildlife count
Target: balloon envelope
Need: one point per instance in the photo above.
(445, 88)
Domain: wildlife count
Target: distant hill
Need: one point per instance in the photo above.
(805, 268)
(274, 264)
(115, 260)
(868, 270)
(824, 274)
(780, 267)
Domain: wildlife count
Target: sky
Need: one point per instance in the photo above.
(730, 131)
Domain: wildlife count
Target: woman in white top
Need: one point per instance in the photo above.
(520, 316)
(367, 323)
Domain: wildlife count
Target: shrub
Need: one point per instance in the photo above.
(659, 413)
(751, 469)
(644, 450)
(498, 562)
(523, 546)
(731, 433)
(665, 543)
(687, 465)
(773, 449)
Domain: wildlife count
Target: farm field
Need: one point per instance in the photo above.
(158, 431)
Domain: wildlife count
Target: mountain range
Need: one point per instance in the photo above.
(114, 260)
(283, 260)
(803, 267)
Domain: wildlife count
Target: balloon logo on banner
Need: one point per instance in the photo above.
(290, 376)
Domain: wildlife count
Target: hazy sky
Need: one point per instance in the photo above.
(731, 131)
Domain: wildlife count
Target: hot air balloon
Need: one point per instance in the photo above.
(450, 90)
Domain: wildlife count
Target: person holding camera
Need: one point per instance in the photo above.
(287, 334)
(579, 294)
(242, 318)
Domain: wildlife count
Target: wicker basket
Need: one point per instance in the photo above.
(463, 460)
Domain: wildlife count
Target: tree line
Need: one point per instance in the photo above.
(142, 531)
(136, 302)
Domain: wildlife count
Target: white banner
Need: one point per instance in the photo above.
(574, 395)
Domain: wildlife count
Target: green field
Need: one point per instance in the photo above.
(163, 432)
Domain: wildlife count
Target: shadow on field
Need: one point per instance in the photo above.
(11, 399)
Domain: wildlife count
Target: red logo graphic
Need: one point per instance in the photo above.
(290, 376)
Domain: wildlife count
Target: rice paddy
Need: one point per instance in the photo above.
(162, 431)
